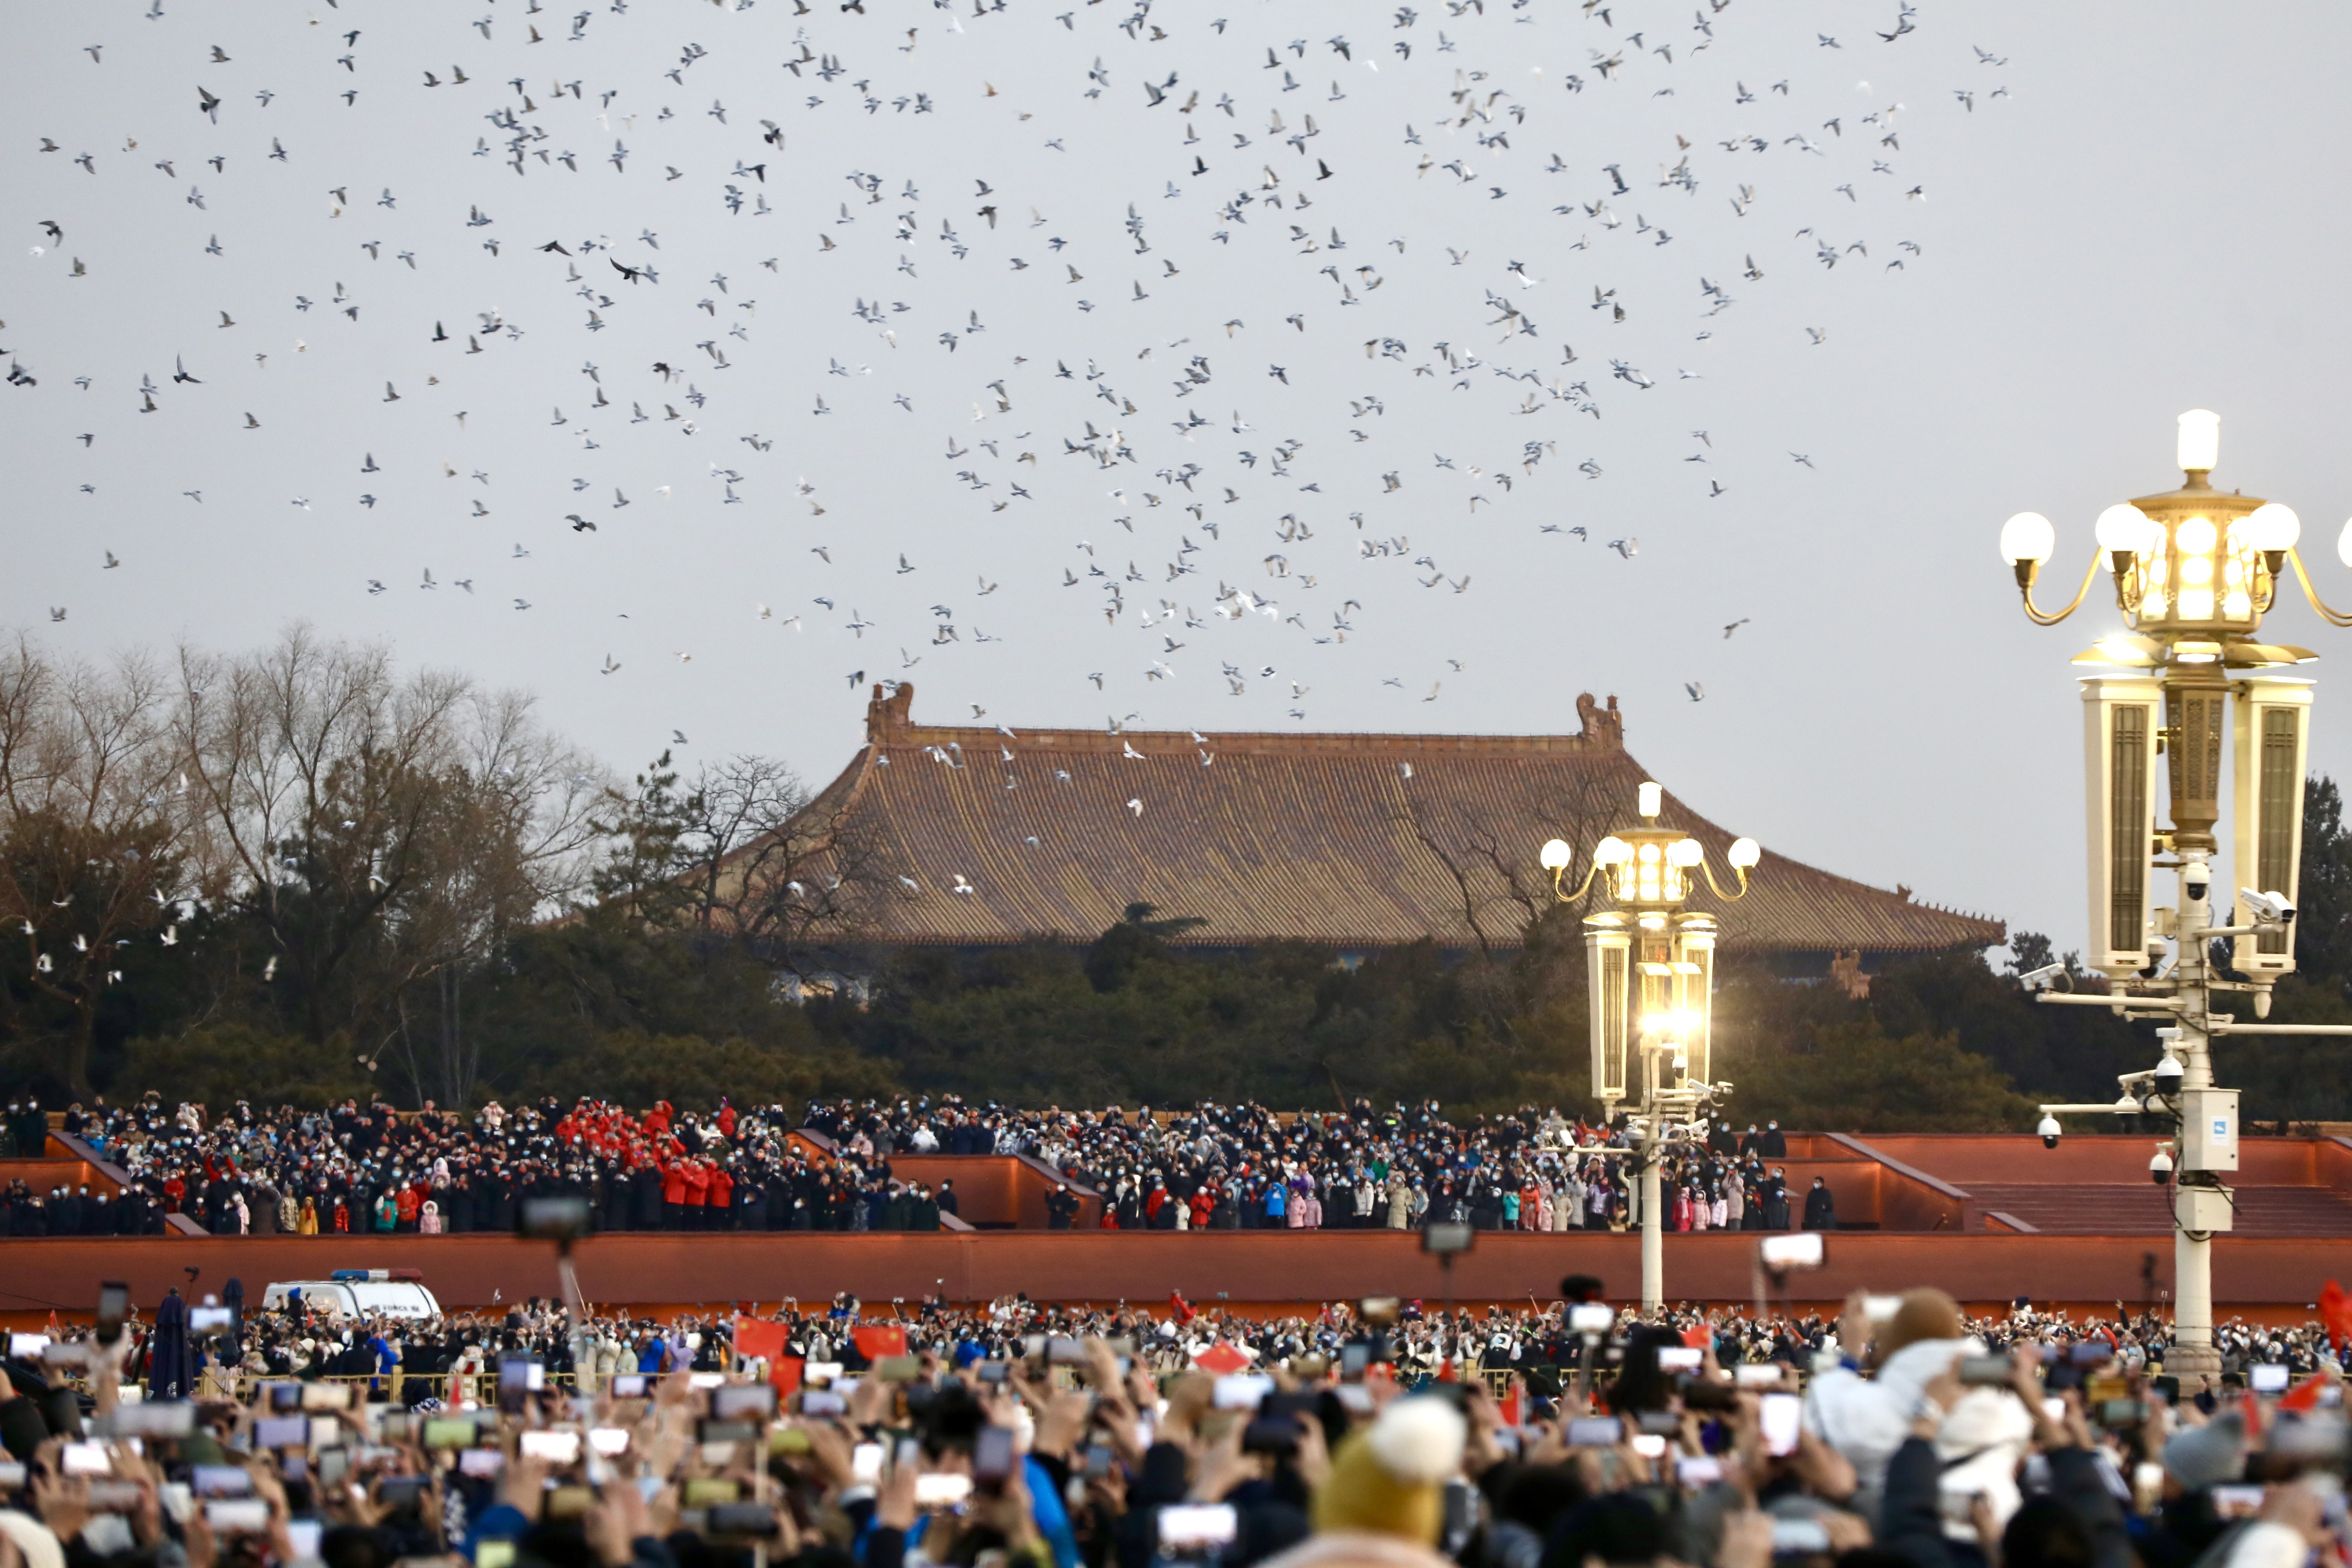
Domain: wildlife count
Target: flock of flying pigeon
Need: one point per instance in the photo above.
(1239, 335)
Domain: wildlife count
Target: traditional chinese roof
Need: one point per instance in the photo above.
(1348, 841)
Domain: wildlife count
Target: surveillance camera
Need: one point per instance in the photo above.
(2045, 978)
(2049, 1131)
(2167, 1074)
(2268, 909)
(2159, 1169)
(2194, 877)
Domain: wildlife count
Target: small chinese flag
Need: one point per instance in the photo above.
(1222, 1359)
(757, 1339)
(879, 1340)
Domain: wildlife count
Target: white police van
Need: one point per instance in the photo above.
(359, 1292)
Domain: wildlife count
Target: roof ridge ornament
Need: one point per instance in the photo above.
(890, 712)
(1601, 726)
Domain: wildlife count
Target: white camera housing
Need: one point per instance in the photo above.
(2268, 909)
(2044, 978)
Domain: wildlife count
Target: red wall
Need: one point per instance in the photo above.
(1259, 1266)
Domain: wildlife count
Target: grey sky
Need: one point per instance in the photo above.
(2139, 227)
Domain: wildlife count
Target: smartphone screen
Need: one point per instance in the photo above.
(609, 1441)
(86, 1459)
(1189, 1529)
(1241, 1390)
(219, 1481)
(941, 1491)
(237, 1516)
(1699, 1469)
(113, 1306)
(2237, 1502)
(1678, 1358)
(992, 1454)
(628, 1386)
(556, 1448)
(866, 1463)
(1595, 1431)
(2267, 1377)
(1780, 1414)
(450, 1432)
(1802, 1249)
(282, 1432)
(1799, 1537)
(744, 1401)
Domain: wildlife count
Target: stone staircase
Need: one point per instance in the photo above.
(2118, 1209)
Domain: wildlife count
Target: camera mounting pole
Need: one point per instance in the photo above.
(2190, 686)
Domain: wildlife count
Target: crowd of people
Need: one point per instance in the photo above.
(354, 1168)
(1241, 1168)
(1897, 1434)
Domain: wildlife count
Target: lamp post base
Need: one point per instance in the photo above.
(2199, 1367)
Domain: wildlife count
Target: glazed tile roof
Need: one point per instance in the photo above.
(1347, 841)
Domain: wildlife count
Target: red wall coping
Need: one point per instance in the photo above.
(1263, 1266)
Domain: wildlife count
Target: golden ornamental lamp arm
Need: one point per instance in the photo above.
(1607, 856)
(1560, 872)
(2332, 616)
(1744, 853)
(2027, 540)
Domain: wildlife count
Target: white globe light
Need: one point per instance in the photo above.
(2123, 527)
(2344, 545)
(1685, 852)
(1612, 851)
(2028, 536)
(1555, 856)
(2272, 527)
(1744, 854)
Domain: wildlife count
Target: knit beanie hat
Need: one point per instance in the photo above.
(1391, 1478)
(2209, 1456)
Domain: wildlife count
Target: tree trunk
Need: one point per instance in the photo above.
(78, 1049)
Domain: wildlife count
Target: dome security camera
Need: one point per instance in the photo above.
(2049, 1131)
(2159, 1169)
(2167, 1074)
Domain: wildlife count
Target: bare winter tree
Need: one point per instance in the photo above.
(92, 836)
(379, 829)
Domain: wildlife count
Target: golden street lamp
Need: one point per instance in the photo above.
(2194, 569)
(1651, 967)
